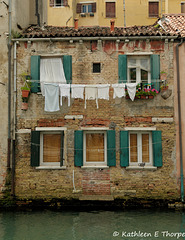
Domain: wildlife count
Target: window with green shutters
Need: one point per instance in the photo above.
(35, 71)
(141, 148)
(139, 69)
(94, 148)
(47, 148)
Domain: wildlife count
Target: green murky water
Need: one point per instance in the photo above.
(95, 225)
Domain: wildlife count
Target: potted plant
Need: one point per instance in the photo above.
(163, 75)
(25, 90)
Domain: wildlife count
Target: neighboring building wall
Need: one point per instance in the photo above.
(118, 182)
(59, 16)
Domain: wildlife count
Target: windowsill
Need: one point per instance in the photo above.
(101, 167)
(141, 168)
(51, 167)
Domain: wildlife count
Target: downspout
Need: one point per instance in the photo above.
(37, 12)
(161, 8)
(180, 123)
(124, 13)
(9, 84)
(14, 128)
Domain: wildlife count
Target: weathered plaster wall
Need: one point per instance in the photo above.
(117, 181)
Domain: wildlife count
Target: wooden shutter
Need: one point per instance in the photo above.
(110, 10)
(182, 7)
(78, 148)
(51, 3)
(78, 8)
(124, 148)
(35, 73)
(93, 7)
(122, 68)
(65, 2)
(153, 9)
(62, 149)
(155, 70)
(111, 148)
(67, 64)
(157, 148)
(35, 148)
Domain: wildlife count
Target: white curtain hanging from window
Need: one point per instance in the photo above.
(139, 63)
(51, 71)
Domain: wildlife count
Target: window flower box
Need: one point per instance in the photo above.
(143, 92)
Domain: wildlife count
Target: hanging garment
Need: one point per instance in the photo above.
(119, 90)
(51, 97)
(91, 93)
(131, 88)
(77, 91)
(103, 91)
(51, 71)
(64, 92)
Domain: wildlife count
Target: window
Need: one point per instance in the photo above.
(153, 9)
(110, 9)
(140, 147)
(139, 69)
(183, 7)
(58, 3)
(95, 148)
(96, 67)
(47, 147)
(86, 8)
(143, 68)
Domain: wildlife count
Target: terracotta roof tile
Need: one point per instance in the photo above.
(95, 31)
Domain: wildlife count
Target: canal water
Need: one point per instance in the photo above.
(92, 225)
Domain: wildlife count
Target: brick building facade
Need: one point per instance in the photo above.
(133, 142)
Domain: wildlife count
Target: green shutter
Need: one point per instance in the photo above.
(155, 70)
(78, 148)
(35, 73)
(62, 149)
(35, 148)
(124, 148)
(111, 148)
(157, 148)
(67, 64)
(122, 68)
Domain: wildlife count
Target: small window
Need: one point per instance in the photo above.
(139, 69)
(86, 8)
(153, 9)
(96, 67)
(183, 7)
(58, 3)
(140, 148)
(95, 145)
(110, 9)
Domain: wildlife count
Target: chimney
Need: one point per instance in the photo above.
(76, 23)
(112, 21)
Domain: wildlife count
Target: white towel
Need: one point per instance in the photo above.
(119, 90)
(51, 97)
(91, 93)
(103, 91)
(64, 92)
(77, 91)
(131, 88)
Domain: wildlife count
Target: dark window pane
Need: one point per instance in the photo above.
(133, 74)
(96, 68)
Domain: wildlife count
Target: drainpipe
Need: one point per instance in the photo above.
(9, 84)
(161, 8)
(180, 123)
(124, 13)
(37, 12)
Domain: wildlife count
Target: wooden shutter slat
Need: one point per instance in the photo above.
(111, 148)
(157, 148)
(78, 148)
(124, 149)
(35, 148)
(122, 68)
(67, 64)
(62, 149)
(133, 148)
(35, 73)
